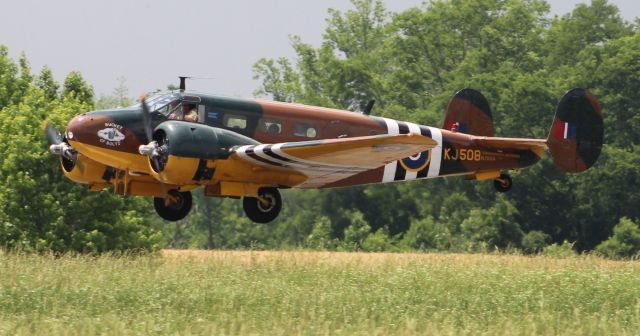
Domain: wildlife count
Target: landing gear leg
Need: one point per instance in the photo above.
(175, 206)
(265, 207)
(503, 183)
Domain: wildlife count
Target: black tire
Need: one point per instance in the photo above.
(503, 183)
(176, 209)
(263, 213)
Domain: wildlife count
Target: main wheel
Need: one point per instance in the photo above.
(175, 206)
(503, 183)
(265, 207)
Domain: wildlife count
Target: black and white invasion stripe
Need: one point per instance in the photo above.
(394, 171)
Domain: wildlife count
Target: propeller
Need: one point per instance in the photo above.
(53, 135)
(152, 149)
(146, 113)
(57, 146)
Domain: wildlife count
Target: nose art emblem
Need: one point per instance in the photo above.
(110, 136)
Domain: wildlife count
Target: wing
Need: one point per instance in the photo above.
(325, 161)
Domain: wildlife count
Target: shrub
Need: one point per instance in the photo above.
(356, 232)
(320, 236)
(427, 234)
(534, 241)
(377, 242)
(563, 250)
(496, 226)
(625, 241)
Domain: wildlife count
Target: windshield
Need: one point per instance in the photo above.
(163, 103)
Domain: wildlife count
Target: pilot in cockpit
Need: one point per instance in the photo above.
(188, 113)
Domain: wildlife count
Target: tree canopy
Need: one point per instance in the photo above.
(411, 63)
(41, 209)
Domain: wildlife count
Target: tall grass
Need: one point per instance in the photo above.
(284, 293)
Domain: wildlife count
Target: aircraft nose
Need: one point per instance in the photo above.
(81, 128)
(94, 128)
(112, 129)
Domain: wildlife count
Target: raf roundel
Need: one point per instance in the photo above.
(416, 162)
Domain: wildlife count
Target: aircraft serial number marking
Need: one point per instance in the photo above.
(463, 154)
(467, 154)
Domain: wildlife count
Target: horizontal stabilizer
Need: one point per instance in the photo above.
(515, 143)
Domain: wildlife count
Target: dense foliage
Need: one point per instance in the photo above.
(41, 209)
(410, 63)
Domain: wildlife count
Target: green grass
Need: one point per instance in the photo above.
(196, 292)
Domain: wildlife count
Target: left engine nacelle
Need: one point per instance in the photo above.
(84, 170)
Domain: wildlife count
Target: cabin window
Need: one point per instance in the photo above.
(270, 126)
(304, 130)
(213, 116)
(235, 121)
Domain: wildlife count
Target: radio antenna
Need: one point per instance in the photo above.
(182, 83)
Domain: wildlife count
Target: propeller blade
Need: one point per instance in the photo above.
(146, 118)
(53, 135)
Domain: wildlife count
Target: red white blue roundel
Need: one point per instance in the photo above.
(416, 162)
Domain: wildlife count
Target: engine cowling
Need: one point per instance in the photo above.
(184, 150)
(84, 170)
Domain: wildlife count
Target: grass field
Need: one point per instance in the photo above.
(285, 293)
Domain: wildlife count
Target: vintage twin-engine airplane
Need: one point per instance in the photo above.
(251, 148)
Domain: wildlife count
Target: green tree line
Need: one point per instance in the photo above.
(523, 61)
(41, 210)
(411, 63)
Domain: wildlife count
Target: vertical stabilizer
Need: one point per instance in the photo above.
(577, 131)
(469, 112)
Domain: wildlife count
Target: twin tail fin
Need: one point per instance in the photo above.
(577, 132)
(576, 135)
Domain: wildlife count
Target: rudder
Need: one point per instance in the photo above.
(576, 135)
(469, 112)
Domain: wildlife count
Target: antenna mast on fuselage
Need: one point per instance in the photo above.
(182, 83)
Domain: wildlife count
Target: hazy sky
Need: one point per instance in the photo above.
(151, 42)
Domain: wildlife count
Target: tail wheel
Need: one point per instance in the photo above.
(265, 207)
(175, 206)
(503, 183)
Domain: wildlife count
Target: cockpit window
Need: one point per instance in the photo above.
(164, 103)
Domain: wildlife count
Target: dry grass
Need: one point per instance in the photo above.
(398, 259)
(249, 292)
